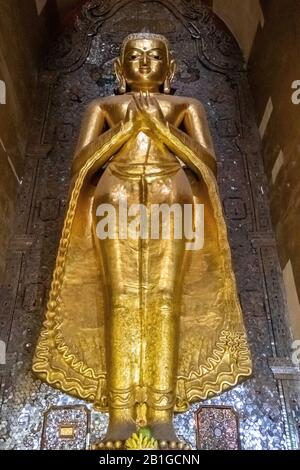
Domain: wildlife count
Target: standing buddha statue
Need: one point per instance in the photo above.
(143, 326)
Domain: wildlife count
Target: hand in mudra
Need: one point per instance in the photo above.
(145, 111)
(148, 107)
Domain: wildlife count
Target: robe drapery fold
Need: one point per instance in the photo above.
(213, 349)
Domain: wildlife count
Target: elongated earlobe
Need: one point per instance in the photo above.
(122, 86)
(120, 77)
(169, 78)
(167, 86)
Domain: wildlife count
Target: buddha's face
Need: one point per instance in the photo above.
(145, 64)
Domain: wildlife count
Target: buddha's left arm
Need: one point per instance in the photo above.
(196, 126)
(196, 134)
(194, 142)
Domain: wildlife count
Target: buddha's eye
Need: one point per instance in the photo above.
(156, 55)
(133, 56)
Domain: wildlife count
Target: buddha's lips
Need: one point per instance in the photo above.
(145, 70)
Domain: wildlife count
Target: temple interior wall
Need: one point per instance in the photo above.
(268, 33)
(23, 36)
(270, 44)
(273, 67)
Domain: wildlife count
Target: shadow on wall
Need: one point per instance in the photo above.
(274, 72)
(68, 11)
(23, 37)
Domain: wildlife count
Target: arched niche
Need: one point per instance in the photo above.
(210, 68)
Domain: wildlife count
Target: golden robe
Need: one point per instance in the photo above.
(213, 349)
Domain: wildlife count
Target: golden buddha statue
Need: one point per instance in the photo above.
(143, 326)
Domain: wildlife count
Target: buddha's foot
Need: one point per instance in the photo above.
(117, 434)
(166, 436)
(163, 431)
(120, 445)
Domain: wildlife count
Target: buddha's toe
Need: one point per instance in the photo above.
(173, 445)
(108, 445)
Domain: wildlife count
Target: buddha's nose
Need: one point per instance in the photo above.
(145, 59)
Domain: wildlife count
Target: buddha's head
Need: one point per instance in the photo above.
(145, 63)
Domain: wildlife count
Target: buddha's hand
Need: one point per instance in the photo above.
(132, 114)
(148, 111)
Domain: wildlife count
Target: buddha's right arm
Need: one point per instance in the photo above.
(92, 125)
(94, 155)
(92, 140)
